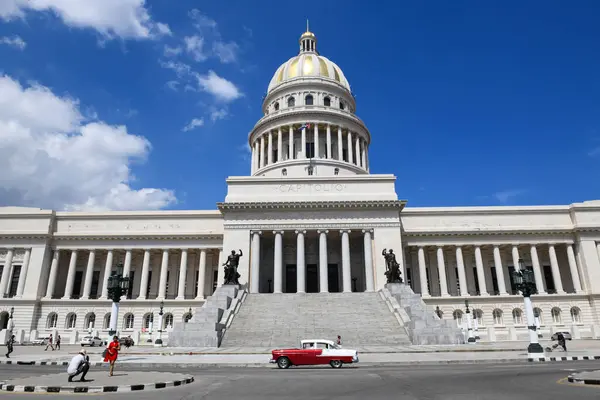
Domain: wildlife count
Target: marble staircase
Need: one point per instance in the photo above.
(282, 320)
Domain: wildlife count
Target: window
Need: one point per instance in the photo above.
(284, 172)
(342, 105)
(14, 282)
(497, 315)
(458, 317)
(90, 321)
(476, 278)
(291, 102)
(547, 271)
(308, 100)
(106, 323)
(517, 316)
(71, 321)
(478, 317)
(95, 283)
(128, 321)
(310, 150)
(575, 315)
(537, 313)
(52, 320)
(149, 284)
(556, 318)
(77, 285)
(494, 281)
(327, 102)
(148, 320)
(168, 321)
(276, 106)
(336, 171)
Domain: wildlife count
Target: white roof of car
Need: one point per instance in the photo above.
(317, 341)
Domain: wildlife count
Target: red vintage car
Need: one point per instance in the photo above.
(314, 352)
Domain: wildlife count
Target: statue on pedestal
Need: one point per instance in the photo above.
(392, 268)
(231, 266)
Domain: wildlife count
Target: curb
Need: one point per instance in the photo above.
(93, 389)
(583, 381)
(564, 358)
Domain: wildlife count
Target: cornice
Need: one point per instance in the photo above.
(168, 214)
(25, 235)
(314, 226)
(487, 232)
(82, 236)
(312, 205)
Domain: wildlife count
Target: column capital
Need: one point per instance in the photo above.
(367, 230)
(276, 232)
(257, 232)
(300, 231)
(184, 249)
(325, 231)
(345, 230)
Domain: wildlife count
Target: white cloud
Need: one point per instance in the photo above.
(14, 41)
(506, 195)
(194, 46)
(245, 151)
(51, 156)
(227, 52)
(202, 21)
(172, 51)
(172, 85)
(221, 88)
(217, 114)
(194, 123)
(127, 19)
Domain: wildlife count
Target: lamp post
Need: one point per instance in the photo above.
(470, 337)
(118, 285)
(159, 342)
(525, 283)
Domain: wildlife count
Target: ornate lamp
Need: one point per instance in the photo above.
(118, 286)
(525, 283)
(470, 336)
(159, 341)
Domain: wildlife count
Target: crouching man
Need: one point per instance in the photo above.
(80, 364)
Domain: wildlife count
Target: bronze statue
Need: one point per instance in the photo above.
(392, 268)
(231, 266)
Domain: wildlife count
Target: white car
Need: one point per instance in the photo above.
(91, 341)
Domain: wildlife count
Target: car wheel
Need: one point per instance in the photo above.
(283, 362)
(335, 364)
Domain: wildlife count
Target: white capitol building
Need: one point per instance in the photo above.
(309, 218)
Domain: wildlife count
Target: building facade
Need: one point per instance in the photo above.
(310, 217)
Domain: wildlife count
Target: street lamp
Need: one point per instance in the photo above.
(525, 283)
(470, 337)
(159, 342)
(118, 285)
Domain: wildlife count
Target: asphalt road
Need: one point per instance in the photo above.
(445, 382)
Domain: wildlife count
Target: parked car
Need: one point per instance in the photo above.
(567, 336)
(91, 341)
(40, 341)
(314, 352)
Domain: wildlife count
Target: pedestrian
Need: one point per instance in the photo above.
(57, 347)
(339, 340)
(111, 354)
(562, 341)
(80, 364)
(9, 345)
(49, 343)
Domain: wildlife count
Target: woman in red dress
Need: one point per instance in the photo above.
(112, 352)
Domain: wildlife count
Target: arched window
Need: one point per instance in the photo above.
(342, 106)
(291, 102)
(308, 100)
(517, 316)
(106, 321)
(148, 320)
(52, 320)
(478, 316)
(128, 321)
(327, 102)
(90, 321)
(576, 315)
(458, 317)
(168, 320)
(497, 315)
(537, 313)
(556, 318)
(276, 106)
(71, 321)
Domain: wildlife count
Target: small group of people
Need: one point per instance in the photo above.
(51, 341)
(80, 364)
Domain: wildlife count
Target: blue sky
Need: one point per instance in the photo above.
(467, 103)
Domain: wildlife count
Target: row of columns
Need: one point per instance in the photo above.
(8, 268)
(262, 149)
(301, 263)
(109, 264)
(499, 270)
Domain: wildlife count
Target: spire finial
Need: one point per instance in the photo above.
(307, 30)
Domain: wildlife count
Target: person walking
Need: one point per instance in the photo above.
(339, 341)
(9, 345)
(112, 352)
(49, 343)
(80, 364)
(57, 347)
(562, 342)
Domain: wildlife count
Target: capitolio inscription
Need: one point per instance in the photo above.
(311, 187)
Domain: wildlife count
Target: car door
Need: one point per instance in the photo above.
(321, 354)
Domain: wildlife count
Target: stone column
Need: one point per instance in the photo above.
(350, 156)
(145, 271)
(573, 268)
(127, 263)
(537, 270)
(499, 271)
(270, 149)
(164, 267)
(368, 250)
(323, 262)
(89, 273)
(255, 259)
(367, 158)
(303, 143)
(357, 147)
(6, 273)
(278, 263)
(71, 275)
(340, 145)
(254, 157)
(53, 274)
(291, 143)
(480, 272)
(182, 274)
(202, 275)
(300, 263)
(462, 276)
(346, 271)
(220, 270)
(279, 145)
(364, 154)
(262, 151)
(23, 276)
(423, 272)
(107, 271)
(555, 270)
(316, 138)
(442, 272)
(328, 155)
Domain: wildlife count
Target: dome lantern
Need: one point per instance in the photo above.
(308, 41)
